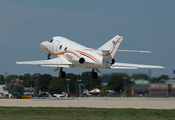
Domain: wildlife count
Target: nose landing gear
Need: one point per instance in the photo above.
(48, 56)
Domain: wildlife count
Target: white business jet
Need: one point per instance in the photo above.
(70, 54)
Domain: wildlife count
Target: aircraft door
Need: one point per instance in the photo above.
(55, 46)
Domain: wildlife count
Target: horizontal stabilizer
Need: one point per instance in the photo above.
(134, 51)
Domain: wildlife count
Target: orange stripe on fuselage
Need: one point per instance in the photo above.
(61, 53)
(88, 55)
(113, 48)
(72, 52)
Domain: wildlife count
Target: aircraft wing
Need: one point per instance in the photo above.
(132, 66)
(56, 62)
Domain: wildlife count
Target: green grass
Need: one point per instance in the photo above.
(59, 113)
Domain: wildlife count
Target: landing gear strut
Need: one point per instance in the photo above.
(94, 75)
(48, 56)
(62, 73)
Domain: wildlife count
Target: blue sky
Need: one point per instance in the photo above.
(145, 25)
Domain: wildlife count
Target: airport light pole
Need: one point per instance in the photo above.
(79, 88)
(5, 77)
(125, 84)
(68, 86)
(14, 77)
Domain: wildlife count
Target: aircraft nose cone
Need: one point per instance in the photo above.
(43, 46)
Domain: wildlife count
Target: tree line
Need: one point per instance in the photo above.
(52, 84)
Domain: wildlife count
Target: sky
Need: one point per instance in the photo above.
(145, 25)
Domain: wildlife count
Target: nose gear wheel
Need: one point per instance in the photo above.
(48, 56)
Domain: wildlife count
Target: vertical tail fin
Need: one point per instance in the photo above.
(110, 47)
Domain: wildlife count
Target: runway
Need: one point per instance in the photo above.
(93, 103)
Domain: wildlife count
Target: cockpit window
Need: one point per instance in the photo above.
(65, 49)
(51, 40)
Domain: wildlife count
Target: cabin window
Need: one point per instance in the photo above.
(60, 47)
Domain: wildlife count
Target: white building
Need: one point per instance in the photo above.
(2, 91)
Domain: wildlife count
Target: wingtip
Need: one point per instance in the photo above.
(161, 67)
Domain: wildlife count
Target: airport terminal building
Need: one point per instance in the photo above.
(142, 87)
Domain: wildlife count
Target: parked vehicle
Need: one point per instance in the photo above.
(7, 95)
(60, 95)
(84, 95)
(44, 95)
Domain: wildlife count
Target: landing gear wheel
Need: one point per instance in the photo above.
(112, 61)
(62, 74)
(94, 75)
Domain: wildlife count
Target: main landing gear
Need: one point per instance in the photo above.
(62, 73)
(94, 75)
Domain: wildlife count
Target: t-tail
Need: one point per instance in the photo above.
(108, 50)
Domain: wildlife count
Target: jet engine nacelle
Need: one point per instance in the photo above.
(81, 60)
(74, 56)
